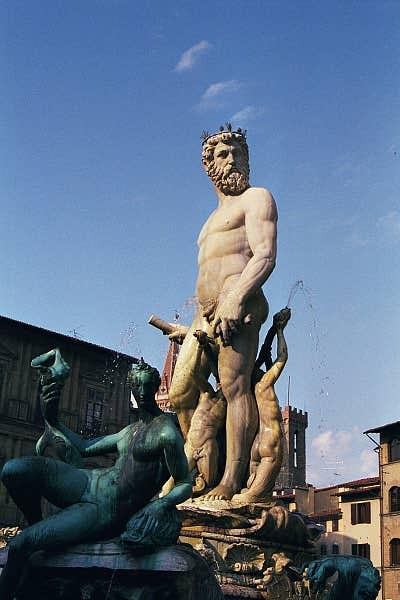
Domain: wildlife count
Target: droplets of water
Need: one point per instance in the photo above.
(319, 379)
(115, 365)
(298, 285)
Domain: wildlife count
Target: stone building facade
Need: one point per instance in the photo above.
(94, 400)
(389, 470)
(350, 514)
(351, 519)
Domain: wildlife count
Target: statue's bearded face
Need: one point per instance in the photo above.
(228, 167)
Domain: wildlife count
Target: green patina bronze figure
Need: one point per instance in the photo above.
(355, 578)
(98, 503)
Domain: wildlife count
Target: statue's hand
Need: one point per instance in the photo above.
(228, 317)
(281, 318)
(156, 524)
(49, 399)
(178, 335)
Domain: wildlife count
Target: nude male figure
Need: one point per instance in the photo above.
(237, 250)
(201, 446)
(267, 450)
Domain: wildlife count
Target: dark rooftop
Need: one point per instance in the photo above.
(65, 337)
(395, 424)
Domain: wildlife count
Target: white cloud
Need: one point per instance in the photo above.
(247, 113)
(328, 443)
(191, 56)
(340, 456)
(220, 88)
(388, 227)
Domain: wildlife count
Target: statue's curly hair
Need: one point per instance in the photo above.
(207, 155)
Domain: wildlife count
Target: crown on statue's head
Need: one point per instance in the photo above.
(239, 132)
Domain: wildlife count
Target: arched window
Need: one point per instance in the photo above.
(394, 499)
(395, 551)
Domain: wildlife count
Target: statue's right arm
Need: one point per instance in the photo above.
(94, 447)
(97, 446)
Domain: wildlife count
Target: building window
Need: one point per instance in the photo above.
(394, 499)
(360, 550)
(70, 420)
(361, 513)
(94, 412)
(394, 450)
(335, 548)
(395, 552)
(335, 525)
(295, 461)
(323, 550)
(2, 376)
(18, 409)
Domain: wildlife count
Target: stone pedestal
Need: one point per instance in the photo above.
(257, 551)
(108, 571)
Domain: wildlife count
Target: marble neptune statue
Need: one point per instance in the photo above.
(237, 251)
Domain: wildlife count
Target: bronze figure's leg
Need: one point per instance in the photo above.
(73, 524)
(30, 478)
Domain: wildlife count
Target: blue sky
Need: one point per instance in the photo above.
(103, 194)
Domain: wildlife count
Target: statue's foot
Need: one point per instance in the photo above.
(246, 496)
(221, 492)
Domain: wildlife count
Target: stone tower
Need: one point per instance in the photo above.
(293, 471)
(162, 395)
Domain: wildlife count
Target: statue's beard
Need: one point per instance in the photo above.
(229, 182)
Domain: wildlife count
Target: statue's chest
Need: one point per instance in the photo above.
(224, 219)
(144, 445)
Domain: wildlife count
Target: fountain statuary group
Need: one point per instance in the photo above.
(227, 455)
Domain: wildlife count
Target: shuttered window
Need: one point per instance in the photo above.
(394, 499)
(361, 550)
(361, 513)
(395, 552)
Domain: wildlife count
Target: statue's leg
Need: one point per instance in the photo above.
(74, 524)
(190, 377)
(207, 462)
(235, 366)
(28, 479)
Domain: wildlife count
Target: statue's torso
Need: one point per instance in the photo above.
(137, 475)
(224, 250)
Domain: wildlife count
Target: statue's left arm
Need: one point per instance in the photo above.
(177, 464)
(260, 226)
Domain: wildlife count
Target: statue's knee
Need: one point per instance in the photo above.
(10, 471)
(181, 401)
(235, 389)
(18, 471)
(19, 547)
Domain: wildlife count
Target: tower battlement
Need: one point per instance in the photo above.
(295, 415)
